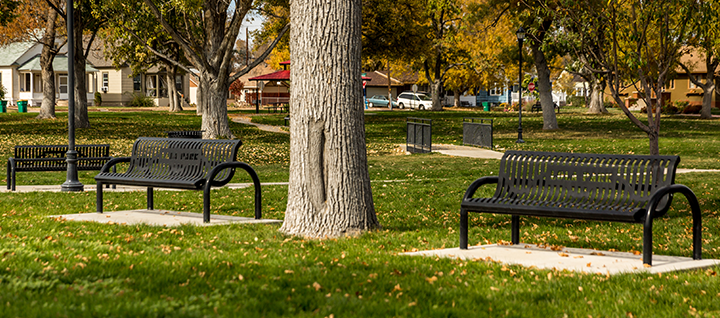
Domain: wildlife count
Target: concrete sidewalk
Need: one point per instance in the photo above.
(571, 259)
(159, 218)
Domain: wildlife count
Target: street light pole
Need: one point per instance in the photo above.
(520, 36)
(72, 184)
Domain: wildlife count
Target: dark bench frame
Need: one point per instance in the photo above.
(538, 107)
(53, 158)
(615, 188)
(154, 163)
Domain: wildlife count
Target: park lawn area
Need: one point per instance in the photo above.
(52, 267)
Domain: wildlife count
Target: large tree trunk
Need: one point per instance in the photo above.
(596, 105)
(81, 111)
(544, 87)
(214, 104)
(435, 88)
(47, 108)
(329, 194)
(705, 112)
(174, 99)
(456, 98)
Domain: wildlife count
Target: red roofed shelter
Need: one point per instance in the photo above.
(276, 90)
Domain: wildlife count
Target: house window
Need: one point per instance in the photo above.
(25, 83)
(89, 85)
(151, 85)
(495, 91)
(163, 86)
(105, 81)
(37, 82)
(179, 84)
(692, 85)
(580, 92)
(137, 83)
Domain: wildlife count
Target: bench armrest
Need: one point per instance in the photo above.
(112, 162)
(656, 200)
(477, 184)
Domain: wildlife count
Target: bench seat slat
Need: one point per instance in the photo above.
(583, 211)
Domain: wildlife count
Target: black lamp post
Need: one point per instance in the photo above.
(72, 183)
(520, 36)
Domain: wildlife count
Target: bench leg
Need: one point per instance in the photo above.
(463, 229)
(206, 203)
(99, 198)
(647, 242)
(515, 229)
(8, 174)
(150, 205)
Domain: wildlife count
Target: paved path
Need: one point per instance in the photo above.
(247, 120)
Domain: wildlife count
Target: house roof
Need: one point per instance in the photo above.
(277, 76)
(695, 61)
(380, 79)
(10, 53)
(60, 64)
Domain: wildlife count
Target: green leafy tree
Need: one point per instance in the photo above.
(704, 43)
(206, 36)
(643, 42)
(7, 11)
(138, 41)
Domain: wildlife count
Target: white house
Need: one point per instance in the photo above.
(20, 74)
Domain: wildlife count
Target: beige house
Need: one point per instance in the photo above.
(679, 88)
(118, 86)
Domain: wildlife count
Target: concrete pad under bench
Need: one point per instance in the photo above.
(160, 218)
(571, 259)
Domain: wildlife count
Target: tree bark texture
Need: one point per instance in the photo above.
(596, 105)
(214, 107)
(329, 193)
(47, 108)
(80, 91)
(544, 87)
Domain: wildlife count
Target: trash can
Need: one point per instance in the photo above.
(22, 106)
(486, 106)
(3, 106)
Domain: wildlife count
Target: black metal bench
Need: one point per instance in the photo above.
(617, 188)
(193, 164)
(52, 158)
(538, 107)
(194, 134)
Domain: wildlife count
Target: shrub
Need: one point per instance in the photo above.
(98, 99)
(576, 101)
(670, 110)
(609, 105)
(692, 109)
(3, 91)
(140, 100)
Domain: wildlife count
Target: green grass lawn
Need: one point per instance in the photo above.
(53, 268)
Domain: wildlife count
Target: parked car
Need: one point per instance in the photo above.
(379, 101)
(414, 101)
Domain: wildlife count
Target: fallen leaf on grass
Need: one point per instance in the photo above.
(431, 280)
(316, 286)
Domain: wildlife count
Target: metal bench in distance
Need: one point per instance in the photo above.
(52, 158)
(177, 163)
(615, 188)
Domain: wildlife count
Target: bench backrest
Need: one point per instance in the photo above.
(182, 158)
(92, 157)
(610, 180)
